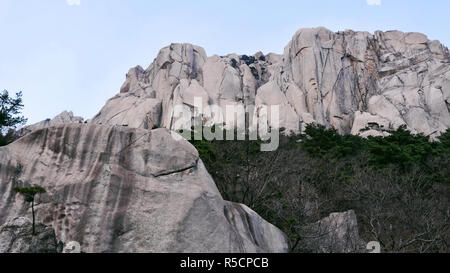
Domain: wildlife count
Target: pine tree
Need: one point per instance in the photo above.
(29, 194)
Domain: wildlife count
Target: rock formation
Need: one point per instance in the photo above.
(118, 184)
(122, 189)
(337, 233)
(355, 82)
(16, 237)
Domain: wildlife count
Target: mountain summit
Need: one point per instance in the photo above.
(356, 82)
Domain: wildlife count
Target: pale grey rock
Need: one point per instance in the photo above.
(322, 77)
(174, 63)
(366, 125)
(437, 107)
(337, 233)
(270, 95)
(71, 247)
(415, 38)
(212, 73)
(155, 86)
(66, 117)
(254, 230)
(380, 106)
(192, 90)
(123, 189)
(133, 81)
(416, 117)
(296, 98)
(16, 237)
(182, 72)
(130, 109)
(342, 74)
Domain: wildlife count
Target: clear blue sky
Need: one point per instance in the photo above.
(75, 57)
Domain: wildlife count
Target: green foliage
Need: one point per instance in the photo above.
(10, 109)
(30, 192)
(10, 116)
(327, 143)
(401, 148)
(443, 147)
(8, 138)
(205, 150)
(340, 172)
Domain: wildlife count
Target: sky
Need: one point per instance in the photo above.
(74, 54)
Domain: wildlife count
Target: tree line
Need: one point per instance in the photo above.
(398, 185)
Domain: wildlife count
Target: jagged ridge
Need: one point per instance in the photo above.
(356, 82)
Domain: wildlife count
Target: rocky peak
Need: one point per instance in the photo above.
(322, 77)
(343, 80)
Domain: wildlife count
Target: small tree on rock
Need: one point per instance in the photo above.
(29, 195)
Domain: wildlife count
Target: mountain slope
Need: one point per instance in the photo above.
(117, 189)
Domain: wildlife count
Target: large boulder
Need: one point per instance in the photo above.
(366, 125)
(254, 230)
(337, 233)
(122, 189)
(130, 109)
(16, 236)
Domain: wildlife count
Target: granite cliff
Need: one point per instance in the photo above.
(356, 82)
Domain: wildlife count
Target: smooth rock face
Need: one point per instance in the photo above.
(322, 77)
(16, 237)
(254, 230)
(337, 233)
(121, 189)
(133, 110)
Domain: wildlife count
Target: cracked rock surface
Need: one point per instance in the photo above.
(323, 77)
(122, 189)
(16, 237)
